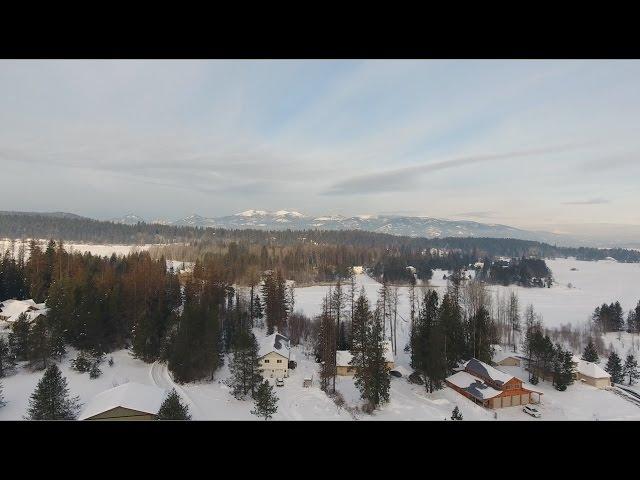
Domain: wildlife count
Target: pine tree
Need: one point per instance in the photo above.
(266, 401)
(50, 400)
(172, 408)
(372, 378)
(614, 368)
(39, 344)
(6, 359)
(2, 402)
(327, 348)
(630, 369)
(456, 415)
(590, 353)
(94, 371)
(245, 366)
(81, 363)
(19, 338)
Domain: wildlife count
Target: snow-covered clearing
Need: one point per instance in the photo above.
(594, 283)
(95, 249)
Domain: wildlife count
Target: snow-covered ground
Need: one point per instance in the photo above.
(594, 283)
(94, 249)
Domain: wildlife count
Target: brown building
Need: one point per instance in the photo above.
(129, 401)
(490, 387)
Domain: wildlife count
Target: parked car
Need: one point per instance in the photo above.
(528, 409)
(279, 382)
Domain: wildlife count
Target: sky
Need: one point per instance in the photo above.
(528, 143)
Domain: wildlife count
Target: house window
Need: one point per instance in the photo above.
(278, 361)
(266, 361)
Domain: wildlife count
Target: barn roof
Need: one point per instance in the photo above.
(472, 385)
(277, 343)
(481, 369)
(134, 396)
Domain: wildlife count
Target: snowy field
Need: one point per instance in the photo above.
(94, 249)
(593, 284)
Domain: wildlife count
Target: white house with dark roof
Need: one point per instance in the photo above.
(274, 354)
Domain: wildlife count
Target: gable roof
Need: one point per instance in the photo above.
(277, 343)
(344, 357)
(589, 369)
(472, 385)
(12, 309)
(481, 369)
(134, 396)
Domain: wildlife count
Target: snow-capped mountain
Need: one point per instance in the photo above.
(391, 224)
(129, 219)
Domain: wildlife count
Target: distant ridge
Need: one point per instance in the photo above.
(44, 214)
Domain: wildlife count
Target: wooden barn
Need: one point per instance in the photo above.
(490, 387)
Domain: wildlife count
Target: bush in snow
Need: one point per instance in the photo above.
(81, 363)
(95, 371)
(456, 415)
(111, 361)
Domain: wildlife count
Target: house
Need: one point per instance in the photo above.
(490, 387)
(274, 355)
(591, 374)
(10, 310)
(344, 358)
(129, 401)
(505, 358)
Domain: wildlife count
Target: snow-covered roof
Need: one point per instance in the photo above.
(277, 343)
(10, 310)
(134, 396)
(476, 387)
(344, 357)
(481, 369)
(589, 369)
(500, 354)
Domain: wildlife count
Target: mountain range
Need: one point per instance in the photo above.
(392, 224)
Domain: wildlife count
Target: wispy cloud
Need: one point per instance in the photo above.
(402, 179)
(591, 201)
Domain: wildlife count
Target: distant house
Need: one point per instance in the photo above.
(344, 358)
(591, 374)
(10, 310)
(274, 355)
(490, 387)
(505, 358)
(129, 401)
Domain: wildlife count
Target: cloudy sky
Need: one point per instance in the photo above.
(526, 143)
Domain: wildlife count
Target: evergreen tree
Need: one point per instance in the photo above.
(50, 400)
(94, 371)
(19, 338)
(172, 408)
(245, 366)
(563, 369)
(481, 340)
(39, 344)
(2, 402)
(327, 348)
(630, 369)
(81, 363)
(266, 401)
(6, 359)
(372, 377)
(614, 368)
(590, 353)
(514, 319)
(456, 415)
